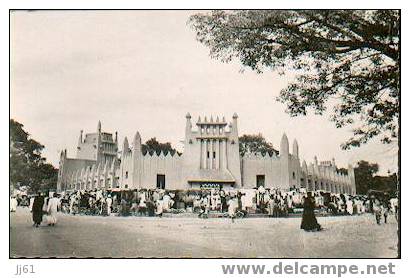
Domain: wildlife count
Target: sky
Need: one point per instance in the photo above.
(143, 71)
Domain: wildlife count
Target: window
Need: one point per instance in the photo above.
(293, 175)
(207, 154)
(126, 174)
(214, 154)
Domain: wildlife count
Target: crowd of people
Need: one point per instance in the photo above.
(233, 203)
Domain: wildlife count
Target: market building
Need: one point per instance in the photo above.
(211, 158)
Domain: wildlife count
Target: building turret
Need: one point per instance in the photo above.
(136, 144)
(61, 155)
(284, 146)
(234, 128)
(284, 162)
(295, 149)
(304, 167)
(99, 127)
(125, 146)
(116, 138)
(80, 138)
(188, 126)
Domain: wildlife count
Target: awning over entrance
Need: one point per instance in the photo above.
(212, 179)
(222, 176)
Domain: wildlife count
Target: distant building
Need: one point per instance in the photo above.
(210, 159)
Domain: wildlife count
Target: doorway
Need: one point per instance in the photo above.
(161, 181)
(260, 180)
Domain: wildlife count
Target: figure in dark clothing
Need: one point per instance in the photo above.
(309, 222)
(38, 209)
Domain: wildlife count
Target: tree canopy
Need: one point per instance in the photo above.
(366, 179)
(153, 146)
(27, 166)
(346, 61)
(255, 143)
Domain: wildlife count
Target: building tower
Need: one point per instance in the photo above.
(284, 162)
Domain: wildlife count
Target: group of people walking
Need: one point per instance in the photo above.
(44, 206)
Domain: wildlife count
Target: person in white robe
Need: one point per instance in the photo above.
(108, 203)
(232, 205)
(72, 203)
(31, 203)
(394, 205)
(13, 204)
(52, 208)
(349, 206)
(166, 202)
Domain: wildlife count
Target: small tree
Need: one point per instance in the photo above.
(153, 146)
(249, 143)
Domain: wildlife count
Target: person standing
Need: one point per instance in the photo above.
(271, 204)
(160, 207)
(72, 202)
(385, 211)
(309, 222)
(377, 210)
(142, 206)
(52, 208)
(349, 206)
(13, 204)
(31, 203)
(232, 205)
(394, 205)
(224, 205)
(37, 209)
(108, 203)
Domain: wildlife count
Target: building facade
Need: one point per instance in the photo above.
(210, 159)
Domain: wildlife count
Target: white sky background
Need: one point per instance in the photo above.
(143, 71)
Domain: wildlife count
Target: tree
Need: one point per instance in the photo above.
(27, 167)
(249, 143)
(364, 176)
(153, 146)
(347, 60)
(386, 183)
